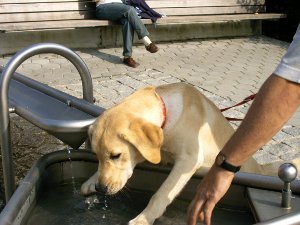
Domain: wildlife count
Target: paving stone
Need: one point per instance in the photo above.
(294, 131)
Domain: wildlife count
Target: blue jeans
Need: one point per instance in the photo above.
(126, 16)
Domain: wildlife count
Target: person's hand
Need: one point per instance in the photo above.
(210, 190)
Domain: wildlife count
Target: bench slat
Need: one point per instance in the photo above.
(47, 16)
(47, 7)
(210, 10)
(87, 5)
(53, 25)
(163, 3)
(197, 3)
(31, 1)
(218, 18)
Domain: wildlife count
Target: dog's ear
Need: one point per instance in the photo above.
(146, 137)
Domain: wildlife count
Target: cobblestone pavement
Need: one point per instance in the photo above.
(225, 70)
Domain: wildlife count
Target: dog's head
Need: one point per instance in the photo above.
(120, 141)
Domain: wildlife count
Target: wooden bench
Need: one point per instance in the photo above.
(22, 15)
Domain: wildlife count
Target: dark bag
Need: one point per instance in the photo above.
(144, 10)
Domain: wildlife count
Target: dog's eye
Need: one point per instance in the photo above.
(115, 156)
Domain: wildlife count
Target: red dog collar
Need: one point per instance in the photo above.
(164, 112)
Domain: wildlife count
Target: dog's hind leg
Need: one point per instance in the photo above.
(181, 173)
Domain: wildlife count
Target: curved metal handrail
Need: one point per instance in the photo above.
(7, 73)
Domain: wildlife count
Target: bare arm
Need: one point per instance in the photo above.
(275, 103)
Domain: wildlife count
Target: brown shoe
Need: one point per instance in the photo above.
(151, 48)
(130, 62)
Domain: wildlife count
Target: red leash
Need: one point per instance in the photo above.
(249, 98)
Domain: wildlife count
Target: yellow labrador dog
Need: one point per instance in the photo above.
(174, 120)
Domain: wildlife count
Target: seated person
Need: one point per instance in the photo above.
(117, 11)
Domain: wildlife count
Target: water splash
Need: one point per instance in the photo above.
(91, 201)
(105, 202)
(97, 201)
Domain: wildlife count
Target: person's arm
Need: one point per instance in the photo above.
(274, 104)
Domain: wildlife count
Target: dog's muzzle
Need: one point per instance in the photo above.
(101, 189)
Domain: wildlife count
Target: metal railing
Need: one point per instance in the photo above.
(7, 73)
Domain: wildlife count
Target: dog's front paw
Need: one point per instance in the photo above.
(87, 188)
(140, 220)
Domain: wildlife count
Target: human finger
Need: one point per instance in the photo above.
(201, 216)
(207, 212)
(193, 211)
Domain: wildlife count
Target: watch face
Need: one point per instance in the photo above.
(220, 159)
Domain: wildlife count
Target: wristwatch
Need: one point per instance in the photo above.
(221, 162)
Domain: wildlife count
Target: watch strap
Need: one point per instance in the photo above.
(221, 162)
(229, 167)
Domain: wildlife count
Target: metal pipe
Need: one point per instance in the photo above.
(62, 96)
(241, 178)
(7, 73)
(288, 219)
